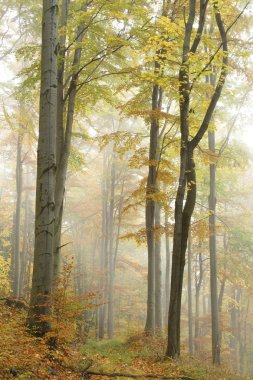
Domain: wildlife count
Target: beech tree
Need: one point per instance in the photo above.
(39, 311)
(187, 176)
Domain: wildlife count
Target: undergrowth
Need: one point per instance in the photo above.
(24, 357)
(140, 354)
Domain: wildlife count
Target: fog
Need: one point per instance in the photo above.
(114, 203)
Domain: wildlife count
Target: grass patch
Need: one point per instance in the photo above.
(140, 354)
(114, 350)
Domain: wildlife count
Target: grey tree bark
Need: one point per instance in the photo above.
(19, 185)
(183, 212)
(213, 254)
(189, 290)
(168, 267)
(150, 210)
(154, 317)
(117, 213)
(110, 316)
(39, 312)
(158, 270)
(23, 277)
(198, 284)
(103, 249)
(64, 141)
(234, 325)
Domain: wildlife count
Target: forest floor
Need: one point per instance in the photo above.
(23, 357)
(144, 355)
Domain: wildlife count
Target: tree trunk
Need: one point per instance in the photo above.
(181, 229)
(158, 270)
(103, 250)
(17, 258)
(39, 313)
(198, 287)
(187, 171)
(23, 281)
(233, 325)
(221, 294)
(168, 267)
(150, 211)
(213, 260)
(64, 139)
(190, 335)
(111, 274)
(182, 213)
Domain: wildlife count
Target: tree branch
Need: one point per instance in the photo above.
(202, 14)
(134, 376)
(217, 93)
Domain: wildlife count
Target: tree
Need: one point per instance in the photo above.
(152, 209)
(187, 176)
(39, 310)
(212, 248)
(17, 263)
(190, 336)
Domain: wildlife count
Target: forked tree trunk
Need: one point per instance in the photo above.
(39, 313)
(183, 212)
(64, 136)
(154, 310)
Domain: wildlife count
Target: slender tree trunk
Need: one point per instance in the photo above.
(154, 312)
(79, 266)
(158, 270)
(223, 281)
(181, 229)
(64, 141)
(60, 129)
(233, 337)
(121, 199)
(213, 260)
(38, 319)
(190, 334)
(239, 332)
(103, 250)
(168, 267)
(12, 268)
(221, 294)
(17, 257)
(24, 247)
(150, 212)
(182, 213)
(111, 274)
(197, 308)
